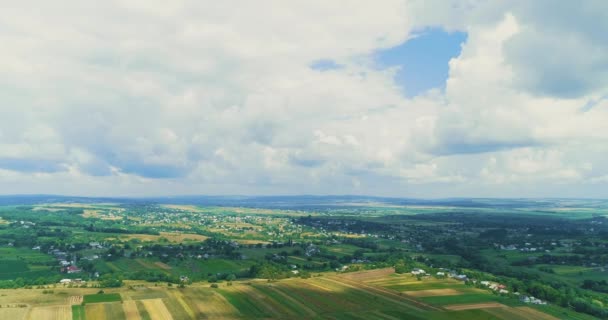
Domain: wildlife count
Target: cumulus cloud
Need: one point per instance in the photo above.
(151, 97)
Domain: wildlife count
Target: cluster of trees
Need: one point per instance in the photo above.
(600, 286)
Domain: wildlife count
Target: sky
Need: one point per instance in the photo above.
(403, 98)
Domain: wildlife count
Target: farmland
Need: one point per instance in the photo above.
(303, 258)
(360, 295)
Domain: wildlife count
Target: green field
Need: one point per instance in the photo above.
(101, 297)
(78, 312)
(465, 299)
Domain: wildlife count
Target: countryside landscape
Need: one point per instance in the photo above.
(304, 160)
(302, 258)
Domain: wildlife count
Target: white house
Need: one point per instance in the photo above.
(418, 271)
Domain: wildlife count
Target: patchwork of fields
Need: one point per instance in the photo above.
(377, 294)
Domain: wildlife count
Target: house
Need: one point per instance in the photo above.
(342, 269)
(418, 271)
(73, 269)
(95, 245)
(461, 277)
(441, 274)
(64, 281)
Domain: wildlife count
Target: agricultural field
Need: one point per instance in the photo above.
(483, 258)
(358, 295)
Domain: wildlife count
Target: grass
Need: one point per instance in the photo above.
(196, 268)
(12, 269)
(78, 312)
(13, 266)
(563, 313)
(104, 297)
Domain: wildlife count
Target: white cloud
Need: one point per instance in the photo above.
(129, 97)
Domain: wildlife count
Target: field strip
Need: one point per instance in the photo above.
(266, 301)
(469, 306)
(162, 265)
(180, 298)
(308, 295)
(381, 315)
(157, 309)
(318, 286)
(211, 305)
(433, 293)
(112, 266)
(368, 275)
(130, 309)
(385, 293)
(144, 264)
(523, 313)
(535, 314)
(392, 281)
(302, 306)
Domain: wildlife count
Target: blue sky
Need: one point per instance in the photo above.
(423, 59)
(192, 97)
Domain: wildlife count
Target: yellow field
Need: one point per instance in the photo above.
(175, 237)
(244, 241)
(130, 309)
(157, 309)
(13, 313)
(92, 213)
(95, 311)
(210, 304)
(433, 293)
(51, 313)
